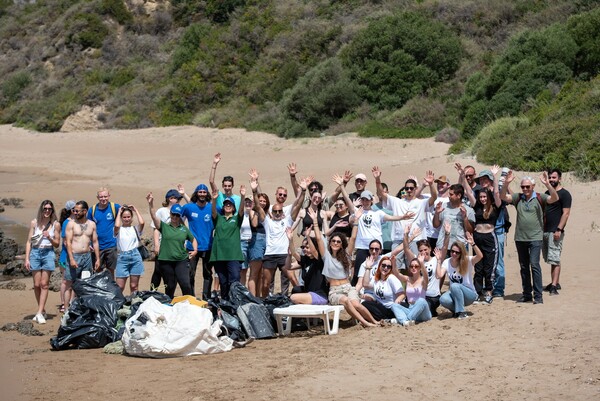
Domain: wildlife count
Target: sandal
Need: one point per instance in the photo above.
(61, 309)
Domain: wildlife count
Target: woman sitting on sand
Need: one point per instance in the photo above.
(336, 267)
(129, 262)
(386, 289)
(416, 282)
(43, 237)
(459, 267)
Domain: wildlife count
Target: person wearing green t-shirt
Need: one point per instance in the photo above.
(226, 253)
(529, 231)
(173, 257)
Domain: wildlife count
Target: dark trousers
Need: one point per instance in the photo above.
(378, 311)
(361, 256)
(529, 260)
(173, 273)
(156, 276)
(228, 272)
(207, 278)
(483, 278)
(433, 303)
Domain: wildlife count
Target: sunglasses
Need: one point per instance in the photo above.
(469, 175)
(48, 209)
(409, 188)
(277, 211)
(455, 252)
(282, 195)
(339, 205)
(525, 186)
(386, 265)
(374, 249)
(335, 241)
(415, 266)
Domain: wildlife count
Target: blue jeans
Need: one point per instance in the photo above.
(419, 311)
(129, 263)
(499, 275)
(457, 298)
(529, 260)
(228, 272)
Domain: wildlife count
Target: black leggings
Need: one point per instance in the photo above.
(175, 272)
(207, 277)
(378, 311)
(361, 256)
(483, 279)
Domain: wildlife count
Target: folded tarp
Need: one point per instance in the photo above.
(162, 331)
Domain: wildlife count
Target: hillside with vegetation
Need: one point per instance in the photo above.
(513, 81)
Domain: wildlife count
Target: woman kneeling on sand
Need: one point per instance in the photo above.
(336, 261)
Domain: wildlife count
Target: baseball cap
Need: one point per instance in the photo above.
(229, 199)
(173, 193)
(176, 209)
(366, 195)
(360, 176)
(70, 204)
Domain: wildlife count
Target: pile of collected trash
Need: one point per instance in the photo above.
(151, 324)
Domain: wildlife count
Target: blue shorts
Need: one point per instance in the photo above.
(246, 253)
(258, 245)
(84, 263)
(42, 259)
(129, 263)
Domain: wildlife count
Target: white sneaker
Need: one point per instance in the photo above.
(39, 318)
(393, 321)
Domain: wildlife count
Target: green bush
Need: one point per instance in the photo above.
(321, 97)
(500, 142)
(400, 56)
(585, 29)
(117, 10)
(382, 130)
(87, 30)
(11, 88)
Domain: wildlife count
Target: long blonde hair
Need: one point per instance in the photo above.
(463, 259)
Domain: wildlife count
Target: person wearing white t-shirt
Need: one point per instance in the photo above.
(410, 204)
(129, 261)
(460, 268)
(387, 288)
(369, 228)
(276, 224)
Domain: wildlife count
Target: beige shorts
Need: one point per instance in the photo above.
(552, 249)
(337, 292)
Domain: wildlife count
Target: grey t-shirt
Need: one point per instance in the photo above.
(457, 225)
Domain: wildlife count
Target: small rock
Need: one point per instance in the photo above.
(16, 268)
(13, 285)
(55, 280)
(24, 327)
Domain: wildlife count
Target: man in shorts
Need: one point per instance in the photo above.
(557, 214)
(103, 215)
(80, 234)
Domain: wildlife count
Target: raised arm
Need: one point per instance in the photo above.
(299, 199)
(409, 253)
(497, 201)
(291, 249)
(425, 277)
(352, 239)
(213, 171)
(257, 208)
(215, 194)
(462, 179)
(118, 222)
(293, 170)
(243, 196)
(253, 173)
(155, 219)
(377, 175)
(181, 191)
(140, 219)
(503, 193)
(439, 270)
(318, 234)
(366, 279)
(551, 190)
(429, 180)
(439, 208)
(338, 179)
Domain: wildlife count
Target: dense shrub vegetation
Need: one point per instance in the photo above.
(509, 80)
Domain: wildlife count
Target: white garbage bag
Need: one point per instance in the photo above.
(162, 331)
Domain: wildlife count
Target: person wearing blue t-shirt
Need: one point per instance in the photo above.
(199, 217)
(103, 214)
(227, 185)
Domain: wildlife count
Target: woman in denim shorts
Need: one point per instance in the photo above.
(43, 237)
(129, 260)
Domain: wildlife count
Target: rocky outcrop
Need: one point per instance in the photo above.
(8, 248)
(88, 118)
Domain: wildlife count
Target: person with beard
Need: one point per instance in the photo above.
(199, 218)
(557, 215)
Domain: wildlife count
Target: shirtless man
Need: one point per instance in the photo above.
(80, 234)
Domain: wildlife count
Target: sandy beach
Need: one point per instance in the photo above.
(504, 351)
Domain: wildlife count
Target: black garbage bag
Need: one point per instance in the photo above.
(226, 311)
(276, 301)
(159, 296)
(256, 321)
(240, 295)
(90, 324)
(102, 285)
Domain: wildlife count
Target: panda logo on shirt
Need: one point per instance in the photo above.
(455, 277)
(367, 219)
(378, 290)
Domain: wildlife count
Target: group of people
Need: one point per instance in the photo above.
(383, 257)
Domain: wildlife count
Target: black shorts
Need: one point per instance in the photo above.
(274, 261)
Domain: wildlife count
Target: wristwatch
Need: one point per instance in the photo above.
(562, 230)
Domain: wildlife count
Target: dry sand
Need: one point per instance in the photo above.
(503, 351)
